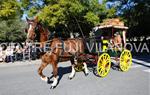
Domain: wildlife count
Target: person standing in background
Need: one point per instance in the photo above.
(1, 54)
(9, 54)
(19, 54)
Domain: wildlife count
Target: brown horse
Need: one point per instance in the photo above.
(33, 25)
(60, 51)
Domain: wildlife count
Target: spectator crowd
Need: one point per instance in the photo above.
(17, 52)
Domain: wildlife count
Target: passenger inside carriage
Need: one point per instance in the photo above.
(117, 40)
(105, 38)
(104, 44)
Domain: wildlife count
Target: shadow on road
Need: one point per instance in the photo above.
(61, 72)
(139, 63)
(145, 58)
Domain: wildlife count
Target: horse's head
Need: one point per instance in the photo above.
(32, 24)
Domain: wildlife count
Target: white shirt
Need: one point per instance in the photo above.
(1, 54)
(9, 51)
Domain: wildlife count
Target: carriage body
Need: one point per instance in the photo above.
(104, 52)
(113, 52)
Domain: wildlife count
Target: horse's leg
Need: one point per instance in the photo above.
(43, 77)
(81, 48)
(55, 72)
(85, 69)
(73, 70)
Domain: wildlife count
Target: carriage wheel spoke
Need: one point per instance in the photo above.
(125, 60)
(103, 65)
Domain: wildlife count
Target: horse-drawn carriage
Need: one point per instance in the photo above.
(109, 47)
(106, 45)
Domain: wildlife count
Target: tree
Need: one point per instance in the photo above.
(136, 14)
(9, 8)
(11, 26)
(12, 30)
(69, 15)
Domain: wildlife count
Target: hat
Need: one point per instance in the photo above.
(116, 34)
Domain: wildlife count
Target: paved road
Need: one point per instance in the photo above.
(22, 79)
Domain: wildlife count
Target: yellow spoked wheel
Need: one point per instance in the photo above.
(125, 60)
(103, 65)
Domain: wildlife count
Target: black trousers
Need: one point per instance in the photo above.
(19, 56)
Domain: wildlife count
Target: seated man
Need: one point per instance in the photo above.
(117, 44)
(117, 39)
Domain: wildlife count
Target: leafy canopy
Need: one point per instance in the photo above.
(71, 15)
(9, 8)
(11, 26)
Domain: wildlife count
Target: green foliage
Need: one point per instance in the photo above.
(111, 13)
(72, 14)
(136, 14)
(60, 12)
(25, 3)
(60, 15)
(11, 26)
(9, 8)
(53, 15)
(12, 30)
(33, 11)
(75, 7)
(92, 18)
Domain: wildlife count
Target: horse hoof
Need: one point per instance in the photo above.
(86, 74)
(70, 78)
(44, 79)
(49, 81)
(52, 87)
